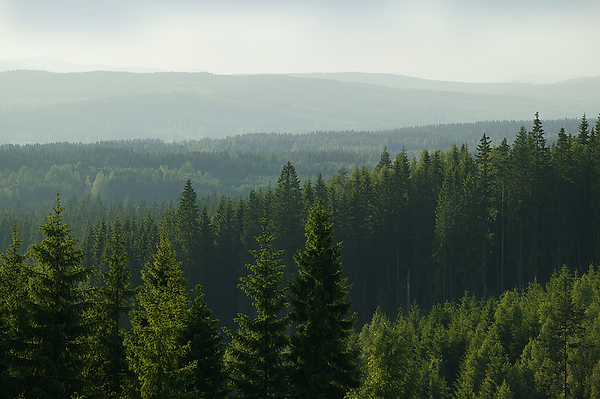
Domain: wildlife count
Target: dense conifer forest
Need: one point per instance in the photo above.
(459, 273)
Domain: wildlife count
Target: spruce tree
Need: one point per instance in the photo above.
(111, 368)
(224, 271)
(561, 335)
(59, 325)
(258, 346)
(321, 191)
(485, 212)
(287, 213)
(323, 363)
(155, 349)
(500, 171)
(187, 231)
(14, 301)
(206, 349)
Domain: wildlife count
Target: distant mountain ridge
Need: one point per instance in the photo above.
(513, 86)
(50, 64)
(408, 82)
(47, 107)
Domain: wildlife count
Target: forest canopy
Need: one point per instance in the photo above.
(471, 270)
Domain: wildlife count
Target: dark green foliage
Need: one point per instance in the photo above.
(58, 330)
(324, 365)
(224, 270)
(498, 218)
(206, 350)
(14, 307)
(258, 347)
(561, 336)
(110, 369)
(187, 233)
(287, 213)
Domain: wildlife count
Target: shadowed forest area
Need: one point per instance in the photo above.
(471, 270)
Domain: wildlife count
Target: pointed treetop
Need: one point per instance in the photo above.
(583, 136)
(384, 160)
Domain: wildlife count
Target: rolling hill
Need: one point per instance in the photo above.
(43, 107)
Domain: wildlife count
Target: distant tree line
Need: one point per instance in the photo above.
(135, 170)
(31, 175)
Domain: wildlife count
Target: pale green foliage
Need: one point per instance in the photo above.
(389, 367)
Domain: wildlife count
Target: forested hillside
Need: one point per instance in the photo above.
(43, 107)
(136, 170)
(515, 226)
(482, 219)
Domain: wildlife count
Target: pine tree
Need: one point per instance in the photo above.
(324, 365)
(321, 191)
(224, 271)
(308, 197)
(187, 231)
(564, 214)
(206, 241)
(59, 326)
(583, 177)
(539, 198)
(423, 194)
(14, 305)
(584, 134)
(485, 203)
(145, 242)
(155, 350)
(520, 192)
(402, 248)
(359, 239)
(384, 160)
(258, 346)
(287, 213)
(447, 233)
(387, 356)
(387, 201)
(116, 296)
(206, 349)
(500, 171)
(561, 334)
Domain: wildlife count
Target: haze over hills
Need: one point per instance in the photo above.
(51, 64)
(42, 107)
(408, 82)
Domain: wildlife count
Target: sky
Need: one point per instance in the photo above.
(457, 40)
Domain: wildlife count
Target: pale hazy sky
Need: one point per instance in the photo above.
(467, 40)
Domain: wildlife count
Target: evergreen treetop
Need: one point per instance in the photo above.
(324, 365)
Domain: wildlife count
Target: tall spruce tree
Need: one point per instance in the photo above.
(287, 214)
(187, 233)
(324, 365)
(486, 212)
(59, 326)
(224, 271)
(14, 305)
(111, 367)
(258, 345)
(206, 349)
(155, 349)
(500, 171)
(561, 335)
